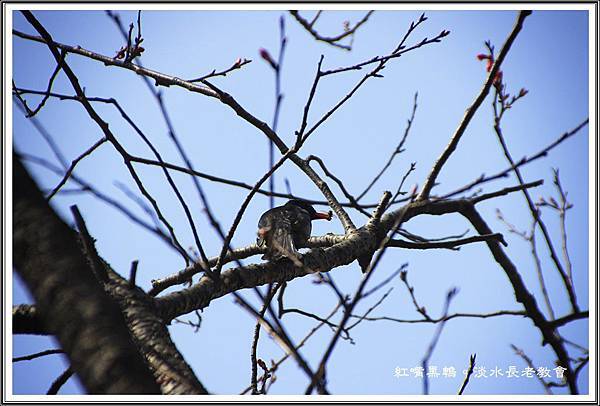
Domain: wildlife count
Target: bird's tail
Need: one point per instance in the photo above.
(282, 245)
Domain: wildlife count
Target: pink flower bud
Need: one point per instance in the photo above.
(264, 54)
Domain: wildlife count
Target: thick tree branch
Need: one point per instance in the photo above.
(47, 256)
(184, 275)
(522, 295)
(319, 260)
(151, 335)
(445, 244)
(27, 320)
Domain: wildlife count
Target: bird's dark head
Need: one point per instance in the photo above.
(314, 215)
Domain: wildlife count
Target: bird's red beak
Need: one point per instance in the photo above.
(323, 216)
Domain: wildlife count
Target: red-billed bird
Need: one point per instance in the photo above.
(284, 228)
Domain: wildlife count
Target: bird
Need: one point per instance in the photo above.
(285, 228)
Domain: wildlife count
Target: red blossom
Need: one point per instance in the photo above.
(490, 63)
(481, 57)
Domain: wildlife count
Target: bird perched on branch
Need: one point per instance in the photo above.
(285, 228)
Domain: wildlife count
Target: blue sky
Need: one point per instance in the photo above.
(549, 59)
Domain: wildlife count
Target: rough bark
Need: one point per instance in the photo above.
(89, 326)
(151, 335)
(353, 246)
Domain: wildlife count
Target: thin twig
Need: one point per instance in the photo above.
(31, 113)
(279, 334)
(47, 39)
(425, 362)
(536, 258)
(226, 244)
(311, 95)
(236, 65)
(332, 40)
(469, 373)
(166, 80)
(398, 150)
(339, 182)
(385, 281)
(370, 309)
(411, 292)
(37, 355)
(300, 344)
(523, 161)
(47, 137)
(449, 317)
(529, 363)
(73, 165)
(253, 356)
(102, 197)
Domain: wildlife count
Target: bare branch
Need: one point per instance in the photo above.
(450, 317)
(101, 196)
(536, 258)
(536, 215)
(300, 344)
(523, 161)
(446, 244)
(37, 355)
(253, 356)
(332, 40)
(31, 113)
(561, 321)
(430, 181)
(469, 373)
(236, 65)
(370, 309)
(529, 363)
(103, 126)
(398, 150)
(425, 362)
(411, 291)
(60, 381)
(522, 295)
(339, 182)
(505, 191)
(73, 165)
